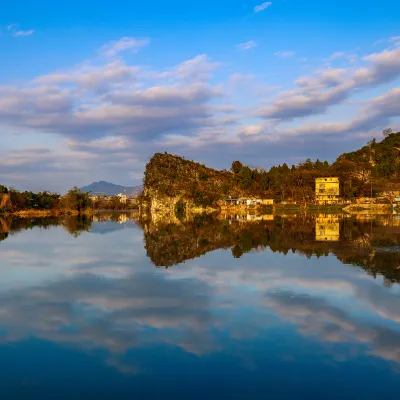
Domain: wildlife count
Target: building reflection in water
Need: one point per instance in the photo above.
(246, 217)
(327, 228)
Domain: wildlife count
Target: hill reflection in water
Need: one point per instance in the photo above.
(253, 305)
(370, 243)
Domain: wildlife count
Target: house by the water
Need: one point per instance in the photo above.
(247, 202)
(327, 190)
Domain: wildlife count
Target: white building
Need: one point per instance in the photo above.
(122, 197)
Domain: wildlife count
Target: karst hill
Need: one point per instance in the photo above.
(172, 180)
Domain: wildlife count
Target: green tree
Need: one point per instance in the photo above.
(77, 200)
(264, 182)
(3, 189)
(236, 167)
(318, 165)
(246, 177)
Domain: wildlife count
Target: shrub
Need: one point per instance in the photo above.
(204, 176)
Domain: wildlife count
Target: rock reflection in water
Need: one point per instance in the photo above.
(354, 241)
(271, 311)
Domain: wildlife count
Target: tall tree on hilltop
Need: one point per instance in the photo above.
(236, 167)
(246, 177)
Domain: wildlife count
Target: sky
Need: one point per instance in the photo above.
(90, 90)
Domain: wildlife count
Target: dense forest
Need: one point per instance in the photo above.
(362, 173)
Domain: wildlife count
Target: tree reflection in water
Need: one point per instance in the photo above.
(372, 244)
(369, 244)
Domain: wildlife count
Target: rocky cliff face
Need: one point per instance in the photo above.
(159, 203)
(170, 179)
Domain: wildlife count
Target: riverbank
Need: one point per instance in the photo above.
(46, 213)
(284, 209)
(32, 213)
(278, 209)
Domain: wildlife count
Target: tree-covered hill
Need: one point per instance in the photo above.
(383, 158)
(369, 170)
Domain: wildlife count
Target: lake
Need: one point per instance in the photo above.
(230, 307)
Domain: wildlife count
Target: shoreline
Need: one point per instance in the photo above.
(277, 209)
(57, 213)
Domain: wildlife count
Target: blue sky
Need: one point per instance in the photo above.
(90, 91)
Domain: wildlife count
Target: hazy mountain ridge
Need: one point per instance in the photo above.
(111, 189)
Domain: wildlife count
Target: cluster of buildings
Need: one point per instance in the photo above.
(327, 191)
(247, 202)
(123, 198)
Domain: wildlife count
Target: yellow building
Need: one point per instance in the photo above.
(327, 190)
(327, 228)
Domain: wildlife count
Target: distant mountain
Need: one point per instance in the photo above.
(110, 189)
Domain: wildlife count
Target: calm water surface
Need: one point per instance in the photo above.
(297, 307)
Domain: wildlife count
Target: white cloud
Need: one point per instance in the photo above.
(95, 101)
(262, 7)
(100, 108)
(337, 55)
(23, 33)
(15, 32)
(113, 48)
(247, 45)
(95, 78)
(251, 130)
(285, 54)
(352, 58)
(197, 69)
(376, 114)
(314, 95)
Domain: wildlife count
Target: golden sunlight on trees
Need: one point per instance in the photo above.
(76, 200)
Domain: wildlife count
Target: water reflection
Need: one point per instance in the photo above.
(249, 307)
(327, 228)
(371, 244)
